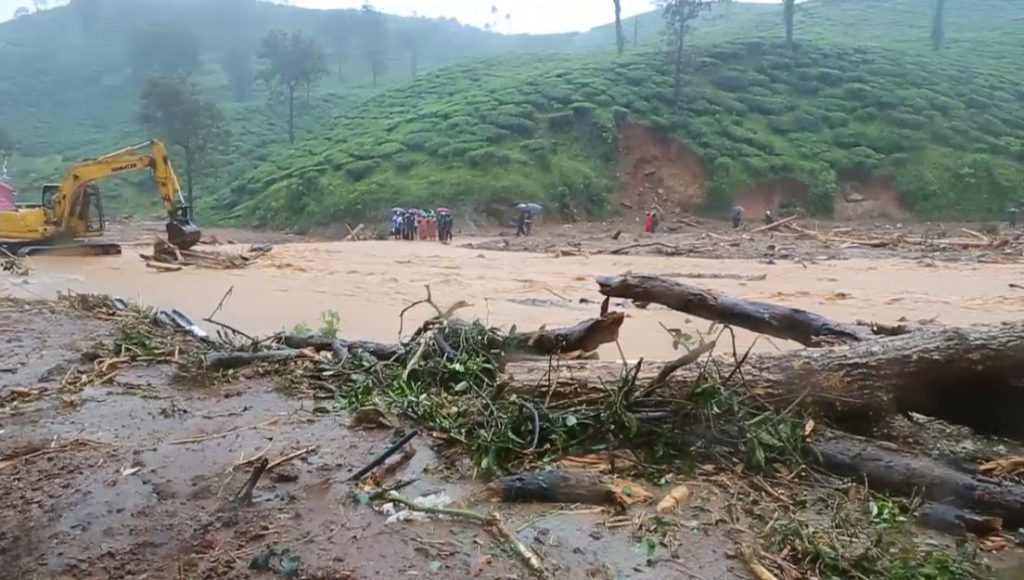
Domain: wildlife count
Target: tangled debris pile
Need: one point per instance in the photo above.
(168, 258)
(779, 433)
(12, 264)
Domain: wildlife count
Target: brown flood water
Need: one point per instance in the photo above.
(369, 283)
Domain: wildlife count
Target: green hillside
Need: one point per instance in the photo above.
(863, 93)
(494, 118)
(69, 87)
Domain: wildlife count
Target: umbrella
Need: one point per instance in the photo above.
(534, 207)
(397, 210)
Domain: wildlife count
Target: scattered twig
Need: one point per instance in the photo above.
(775, 225)
(55, 448)
(203, 438)
(493, 524)
(244, 496)
(671, 367)
(428, 300)
(291, 456)
(383, 456)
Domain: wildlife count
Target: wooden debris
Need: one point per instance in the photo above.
(566, 486)
(355, 235)
(1007, 466)
(675, 498)
(668, 249)
(582, 338)
(165, 256)
(807, 328)
(775, 225)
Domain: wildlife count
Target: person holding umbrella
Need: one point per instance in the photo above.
(444, 225)
(396, 222)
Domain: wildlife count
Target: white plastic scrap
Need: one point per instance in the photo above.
(395, 514)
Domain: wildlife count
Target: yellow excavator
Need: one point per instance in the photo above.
(73, 209)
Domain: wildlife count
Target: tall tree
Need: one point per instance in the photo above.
(789, 14)
(292, 61)
(168, 48)
(620, 39)
(172, 107)
(40, 4)
(373, 30)
(20, 11)
(939, 24)
(6, 141)
(237, 67)
(87, 12)
(418, 32)
(678, 15)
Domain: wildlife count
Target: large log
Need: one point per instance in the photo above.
(885, 467)
(378, 350)
(807, 328)
(967, 376)
(583, 338)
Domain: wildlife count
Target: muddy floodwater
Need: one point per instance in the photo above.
(369, 283)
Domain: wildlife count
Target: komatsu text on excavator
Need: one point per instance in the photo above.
(73, 209)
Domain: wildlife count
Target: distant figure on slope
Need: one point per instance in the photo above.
(736, 214)
(521, 223)
(769, 219)
(1011, 216)
(651, 222)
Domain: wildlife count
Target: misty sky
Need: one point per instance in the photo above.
(534, 16)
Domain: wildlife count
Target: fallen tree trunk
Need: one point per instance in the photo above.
(968, 376)
(886, 467)
(378, 350)
(582, 338)
(807, 328)
(222, 361)
(774, 225)
(565, 486)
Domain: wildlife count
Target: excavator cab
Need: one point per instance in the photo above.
(182, 232)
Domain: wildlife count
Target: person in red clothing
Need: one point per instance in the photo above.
(649, 222)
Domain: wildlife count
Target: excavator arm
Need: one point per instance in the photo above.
(70, 201)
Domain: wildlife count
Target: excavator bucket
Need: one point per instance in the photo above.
(183, 234)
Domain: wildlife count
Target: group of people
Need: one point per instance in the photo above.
(651, 222)
(417, 224)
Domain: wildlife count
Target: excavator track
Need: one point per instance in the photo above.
(23, 249)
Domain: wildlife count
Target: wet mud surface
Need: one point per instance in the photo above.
(135, 478)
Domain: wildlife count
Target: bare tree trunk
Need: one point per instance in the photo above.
(636, 31)
(939, 25)
(789, 13)
(887, 468)
(620, 39)
(678, 76)
(807, 328)
(291, 114)
(968, 376)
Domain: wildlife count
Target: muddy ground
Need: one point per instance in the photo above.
(134, 479)
(688, 236)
